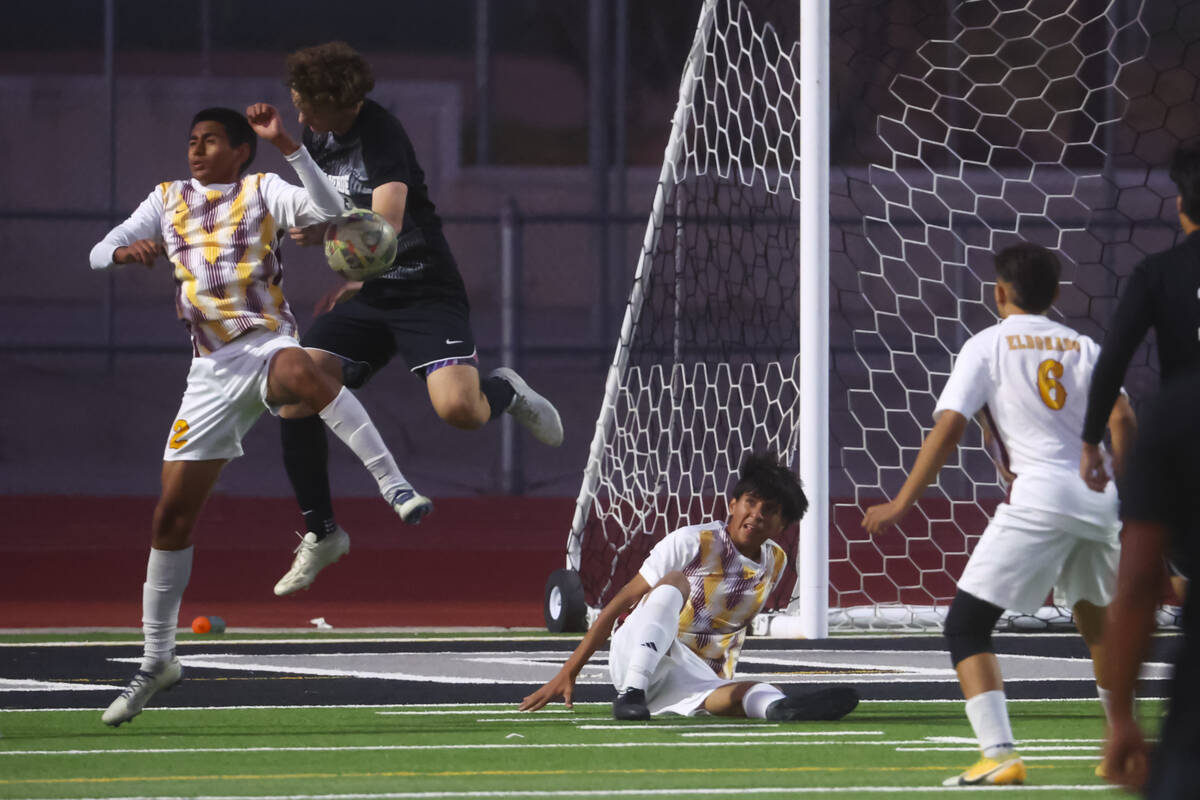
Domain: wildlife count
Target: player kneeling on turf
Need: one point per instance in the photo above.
(696, 594)
(1027, 380)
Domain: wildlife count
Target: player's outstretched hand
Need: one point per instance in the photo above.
(309, 235)
(1091, 467)
(879, 518)
(339, 295)
(1125, 755)
(561, 685)
(143, 251)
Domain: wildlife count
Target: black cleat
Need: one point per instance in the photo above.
(631, 705)
(828, 704)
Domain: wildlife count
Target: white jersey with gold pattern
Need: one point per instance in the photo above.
(727, 589)
(1027, 379)
(223, 242)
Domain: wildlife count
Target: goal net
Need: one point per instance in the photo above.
(957, 129)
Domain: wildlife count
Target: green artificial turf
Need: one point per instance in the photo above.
(885, 749)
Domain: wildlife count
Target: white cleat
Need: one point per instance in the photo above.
(312, 556)
(531, 409)
(411, 507)
(139, 691)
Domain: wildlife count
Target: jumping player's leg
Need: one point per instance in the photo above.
(463, 400)
(458, 398)
(185, 487)
(306, 454)
(294, 380)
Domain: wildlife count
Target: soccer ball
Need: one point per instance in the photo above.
(360, 245)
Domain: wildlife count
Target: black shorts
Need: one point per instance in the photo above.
(425, 333)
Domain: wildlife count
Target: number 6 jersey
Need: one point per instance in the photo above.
(1026, 379)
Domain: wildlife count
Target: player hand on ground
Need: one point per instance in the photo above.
(265, 120)
(879, 518)
(339, 295)
(1091, 467)
(561, 685)
(309, 235)
(1125, 755)
(143, 251)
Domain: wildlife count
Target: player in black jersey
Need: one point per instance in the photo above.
(418, 310)
(1162, 293)
(1161, 510)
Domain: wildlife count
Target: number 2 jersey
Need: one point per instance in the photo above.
(727, 588)
(1026, 380)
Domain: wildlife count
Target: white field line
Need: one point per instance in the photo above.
(1022, 748)
(740, 742)
(787, 733)
(452, 708)
(580, 726)
(677, 792)
(383, 639)
(31, 685)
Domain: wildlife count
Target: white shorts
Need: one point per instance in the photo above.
(681, 681)
(226, 393)
(1025, 553)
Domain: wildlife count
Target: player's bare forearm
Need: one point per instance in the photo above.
(563, 683)
(935, 450)
(1131, 612)
(389, 200)
(1122, 427)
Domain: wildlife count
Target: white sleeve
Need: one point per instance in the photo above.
(144, 223)
(970, 382)
(672, 554)
(317, 201)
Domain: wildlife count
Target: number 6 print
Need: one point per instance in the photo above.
(1053, 393)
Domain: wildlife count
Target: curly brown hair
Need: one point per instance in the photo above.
(329, 76)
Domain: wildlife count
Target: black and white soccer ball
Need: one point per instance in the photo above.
(360, 245)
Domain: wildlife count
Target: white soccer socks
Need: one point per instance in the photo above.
(758, 698)
(347, 418)
(1105, 701)
(988, 714)
(167, 575)
(657, 624)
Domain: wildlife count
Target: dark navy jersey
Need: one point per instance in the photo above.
(375, 151)
(1162, 293)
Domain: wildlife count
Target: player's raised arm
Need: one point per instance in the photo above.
(937, 447)
(563, 684)
(318, 201)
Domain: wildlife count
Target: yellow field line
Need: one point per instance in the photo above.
(486, 773)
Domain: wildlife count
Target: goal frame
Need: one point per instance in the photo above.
(810, 597)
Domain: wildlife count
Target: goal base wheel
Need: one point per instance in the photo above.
(563, 605)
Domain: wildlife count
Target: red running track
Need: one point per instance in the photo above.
(479, 561)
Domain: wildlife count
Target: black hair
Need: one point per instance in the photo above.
(1185, 172)
(237, 130)
(1033, 272)
(765, 476)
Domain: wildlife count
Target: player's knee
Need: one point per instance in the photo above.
(460, 412)
(969, 626)
(679, 581)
